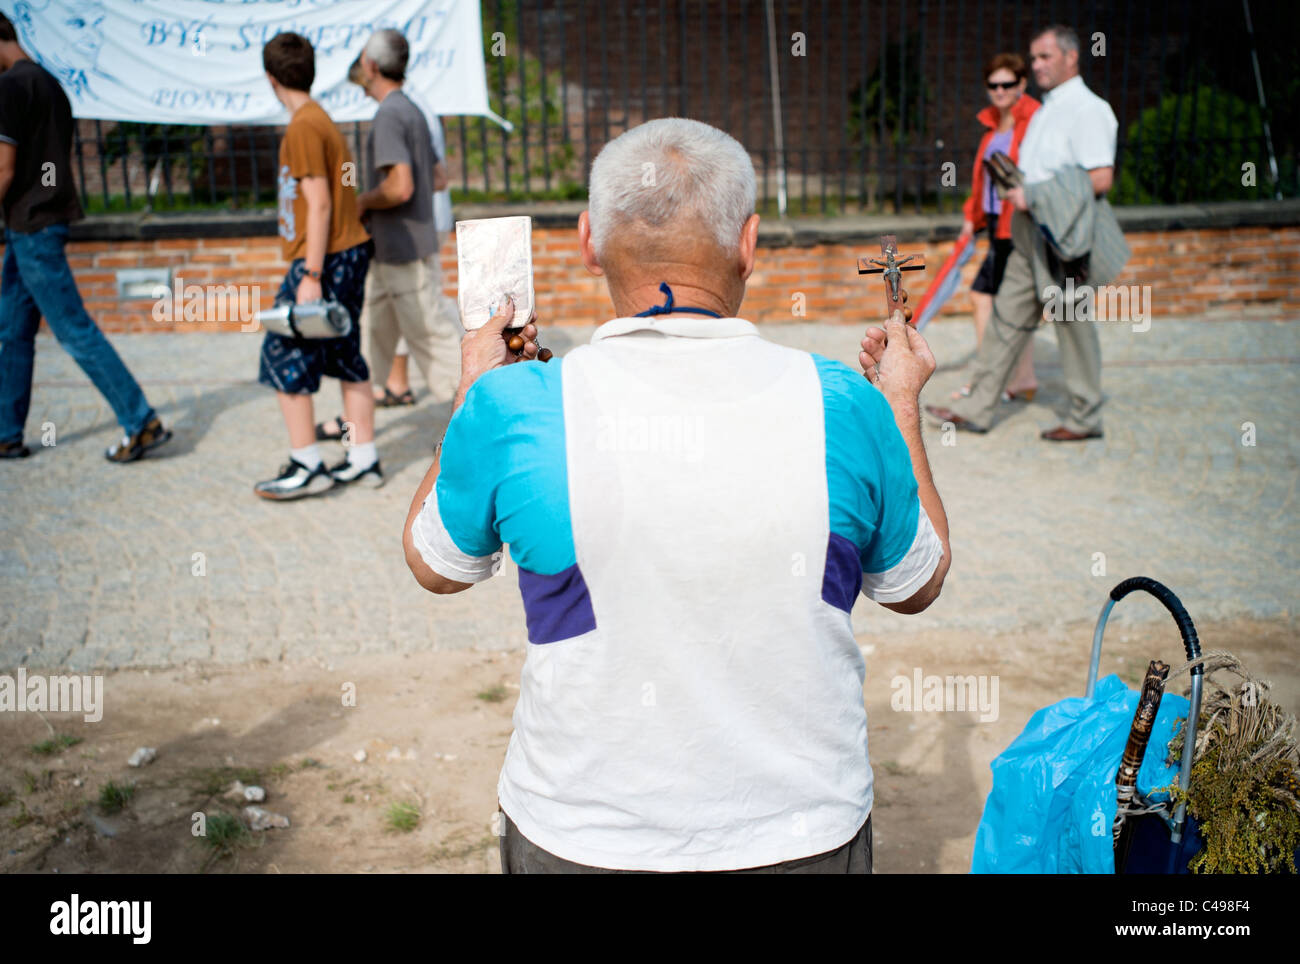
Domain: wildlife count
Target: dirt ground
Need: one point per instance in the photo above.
(434, 728)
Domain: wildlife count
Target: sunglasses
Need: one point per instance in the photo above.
(992, 85)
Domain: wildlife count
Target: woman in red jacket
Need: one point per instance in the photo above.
(1007, 118)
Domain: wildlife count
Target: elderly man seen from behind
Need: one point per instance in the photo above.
(693, 510)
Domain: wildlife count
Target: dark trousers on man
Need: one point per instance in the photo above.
(519, 855)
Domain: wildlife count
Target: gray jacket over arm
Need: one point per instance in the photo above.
(1074, 222)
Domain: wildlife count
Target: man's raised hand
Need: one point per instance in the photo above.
(488, 347)
(896, 359)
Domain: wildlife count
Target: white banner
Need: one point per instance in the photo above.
(200, 61)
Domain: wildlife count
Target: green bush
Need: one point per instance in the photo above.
(1163, 165)
(180, 146)
(901, 120)
(533, 103)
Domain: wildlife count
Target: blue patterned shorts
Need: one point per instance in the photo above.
(295, 366)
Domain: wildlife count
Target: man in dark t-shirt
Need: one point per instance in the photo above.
(39, 198)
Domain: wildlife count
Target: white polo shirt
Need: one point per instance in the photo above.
(693, 510)
(1073, 128)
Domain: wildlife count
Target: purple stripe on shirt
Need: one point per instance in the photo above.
(556, 607)
(842, 579)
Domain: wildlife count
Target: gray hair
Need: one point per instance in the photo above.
(667, 169)
(389, 51)
(1065, 36)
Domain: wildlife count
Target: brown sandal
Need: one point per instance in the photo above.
(392, 401)
(324, 433)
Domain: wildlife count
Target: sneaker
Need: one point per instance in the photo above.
(134, 446)
(371, 477)
(14, 450)
(295, 481)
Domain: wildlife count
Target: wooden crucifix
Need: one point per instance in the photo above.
(892, 267)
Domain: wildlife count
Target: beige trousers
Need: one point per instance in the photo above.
(405, 301)
(1017, 310)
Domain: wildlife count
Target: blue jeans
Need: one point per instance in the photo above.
(36, 281)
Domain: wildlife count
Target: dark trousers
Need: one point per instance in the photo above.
(519, 855)
(295, 366)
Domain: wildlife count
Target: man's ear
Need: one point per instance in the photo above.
(585, 247)
(748, 246)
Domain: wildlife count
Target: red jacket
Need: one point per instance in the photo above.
(973, 209)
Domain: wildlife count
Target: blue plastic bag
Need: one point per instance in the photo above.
(1053, 804)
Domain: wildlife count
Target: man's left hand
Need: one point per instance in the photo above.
(1016, 198)
(308, 290)
(486, 348)
(898, 366)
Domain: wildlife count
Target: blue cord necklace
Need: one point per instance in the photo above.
(667, 307)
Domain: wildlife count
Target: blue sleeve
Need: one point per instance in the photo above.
(869, 478)
(470, 470)
(503, 475)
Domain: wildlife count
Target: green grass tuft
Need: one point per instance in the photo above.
(403, 817)
(210, 781)
(113, 797)
(22, 818)
(224, 833)
(55, 744)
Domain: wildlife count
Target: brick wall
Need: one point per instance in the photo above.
(1227, 271)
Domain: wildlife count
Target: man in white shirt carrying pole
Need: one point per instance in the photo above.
(1073, 128)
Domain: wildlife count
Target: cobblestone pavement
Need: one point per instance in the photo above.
(173, 558)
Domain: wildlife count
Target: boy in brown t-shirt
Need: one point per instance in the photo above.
(329, 253)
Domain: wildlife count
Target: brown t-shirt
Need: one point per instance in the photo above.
(313, 147)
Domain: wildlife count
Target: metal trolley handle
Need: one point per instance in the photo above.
(1193, 647)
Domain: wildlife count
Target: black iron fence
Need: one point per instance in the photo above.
(877, 101)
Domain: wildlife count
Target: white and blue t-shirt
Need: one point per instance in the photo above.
(693, 511)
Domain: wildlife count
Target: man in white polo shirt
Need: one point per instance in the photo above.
(693, 510)
(1073, 129)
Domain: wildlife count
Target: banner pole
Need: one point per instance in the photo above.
(778, 131)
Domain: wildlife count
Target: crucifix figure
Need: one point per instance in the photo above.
(892, 267)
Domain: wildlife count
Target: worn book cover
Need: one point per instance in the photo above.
(496, 260)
